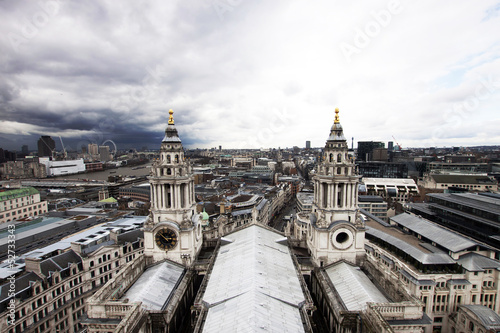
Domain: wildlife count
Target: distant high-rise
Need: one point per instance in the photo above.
(308, 144)
(104, 153)
(93, 150)
(6, 155)
(24, 150)
(46, 145)
(390, 146)
(365, 149)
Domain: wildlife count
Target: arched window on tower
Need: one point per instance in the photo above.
(169, 171)
(339, 158)
(168, 159)
(176, 158)
(331, 157)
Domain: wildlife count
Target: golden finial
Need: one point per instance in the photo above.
(171, 117)
(337, 116)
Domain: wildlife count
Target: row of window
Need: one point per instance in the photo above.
(57, 292)
(20, 212)
(104, 258)
(39, 206)
(75, 281)
(467, 186)
(12, 201)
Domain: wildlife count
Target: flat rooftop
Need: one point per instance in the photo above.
(34, 223)
(305, 197)
(389, 181)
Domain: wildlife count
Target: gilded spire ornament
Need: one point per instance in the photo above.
(337, 116)
(171, 117)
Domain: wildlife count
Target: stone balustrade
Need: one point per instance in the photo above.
(398, 311)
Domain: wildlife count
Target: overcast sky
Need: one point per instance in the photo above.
(241, 73)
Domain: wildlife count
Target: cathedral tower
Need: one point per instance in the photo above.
(336, 231)
(173, 230)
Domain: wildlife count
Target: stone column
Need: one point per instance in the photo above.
(328, 196)
(335, 195)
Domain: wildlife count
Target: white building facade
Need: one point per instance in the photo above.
(21, 203)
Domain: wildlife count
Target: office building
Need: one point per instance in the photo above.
(61, 168)
(365, 149)
(374, 205)
(104, 154)
(473, 214)
(46, 146)
(379, 169)
(20, 203)
(93, 149)
(471, 182)
(398, 189)
(304, 201)
(24, 150)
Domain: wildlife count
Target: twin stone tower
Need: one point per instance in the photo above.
(334, 228)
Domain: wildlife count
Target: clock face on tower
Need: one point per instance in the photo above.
(166, 239)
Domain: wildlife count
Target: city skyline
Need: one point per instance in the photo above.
(249, 75)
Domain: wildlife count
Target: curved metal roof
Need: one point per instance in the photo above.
(253, 285)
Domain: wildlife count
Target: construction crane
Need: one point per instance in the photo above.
(397, 144)
(65, 155)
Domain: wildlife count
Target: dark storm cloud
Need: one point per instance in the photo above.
(7, 92)
(126, 64)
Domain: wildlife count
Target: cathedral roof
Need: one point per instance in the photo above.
(171, 134)
(353, 286)
(336, 132)
(252, 281)
(155, 285)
